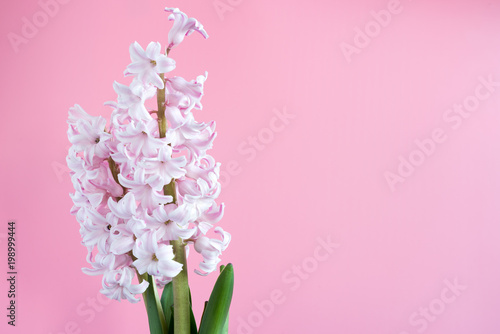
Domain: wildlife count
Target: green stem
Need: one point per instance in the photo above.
(180, 287)
(162, 121)
(169, 189)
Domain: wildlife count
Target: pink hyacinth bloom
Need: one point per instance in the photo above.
(95, 230)
(132, 98)
(147, 65)
(125, 208)
(192, 90)
(75, 114)
(117, 284)
(153, 258)
(102, 263)
(183, 26)
(123, 236)
(88, 134)
(168, 223)
(210, 249)
(164, 165)
(149, 192)
(140, 139)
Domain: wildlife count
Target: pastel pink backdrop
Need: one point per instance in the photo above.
(320, 175)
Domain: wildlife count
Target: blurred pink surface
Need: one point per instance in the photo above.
(419, 256)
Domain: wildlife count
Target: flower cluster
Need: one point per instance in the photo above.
(147, 179)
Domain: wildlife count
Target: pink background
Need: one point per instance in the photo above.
(320, 175)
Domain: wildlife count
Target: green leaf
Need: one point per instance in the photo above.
(171, 324)
(217, 310)
(225, 329)
(204, 308)
(167, 302)
(193, 326)
(154, 309)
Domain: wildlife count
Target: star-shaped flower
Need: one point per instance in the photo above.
(146, 65)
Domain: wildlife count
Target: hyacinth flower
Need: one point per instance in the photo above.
(146, 190)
